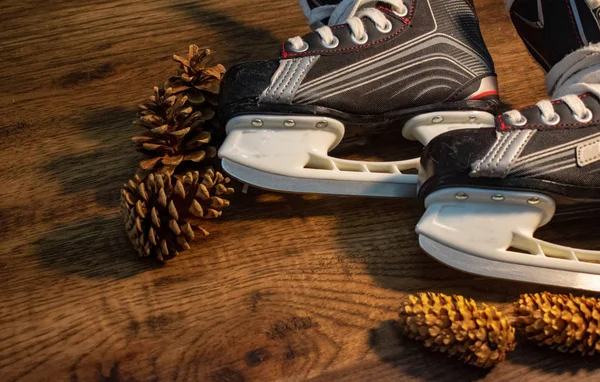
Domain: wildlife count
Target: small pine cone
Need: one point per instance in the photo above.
(564, 322)
(478, 336)
(176, 131)
(161, 212)
(199, 82)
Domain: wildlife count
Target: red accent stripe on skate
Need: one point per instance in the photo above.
(502, 124)
(284, 54)
(484, 94)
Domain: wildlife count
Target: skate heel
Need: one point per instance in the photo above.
(425, 127)
(490, 233)
(290, 154)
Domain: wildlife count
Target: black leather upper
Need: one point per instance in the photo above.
(551, 153)
(243, 84)
(561, 29)
(343, 33)
(567, 118)
(433, 59)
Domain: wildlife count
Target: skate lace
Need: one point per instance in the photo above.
(576, 74)
(346, 12)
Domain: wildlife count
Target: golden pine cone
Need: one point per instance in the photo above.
(176, 131)
(564, 322)
(161, 212)
(479, 336)
(199, 82)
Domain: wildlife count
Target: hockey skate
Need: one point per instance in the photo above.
(487, 191)
(417, 66)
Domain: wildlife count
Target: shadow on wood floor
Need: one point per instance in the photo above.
(105, 167)
(96, 248)
(240, 41)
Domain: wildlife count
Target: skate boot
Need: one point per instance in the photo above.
(418, 66)
(488, 190)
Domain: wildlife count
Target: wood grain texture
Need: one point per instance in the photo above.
(285, 288)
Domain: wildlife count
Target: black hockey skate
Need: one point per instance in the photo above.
(488, 190)
(416, 65)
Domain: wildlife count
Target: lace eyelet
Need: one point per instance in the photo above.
(334, 44)
(586, 118)
(522, 122)
(363, 40)
(386, 29)
(553, 121)
(304, 48)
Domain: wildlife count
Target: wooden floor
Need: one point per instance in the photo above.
(286, 287)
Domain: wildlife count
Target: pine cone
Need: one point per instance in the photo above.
(199, 82)
(564, 322)
(176, 131)
(161, 212)
(458, 327)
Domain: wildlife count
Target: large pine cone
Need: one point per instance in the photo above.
(199, 82)
(563, 322)
(161, 212)
(176, 131)
(458, 327)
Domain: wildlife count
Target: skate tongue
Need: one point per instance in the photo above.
(318, 11)
(319, 3)
(577, 73)
(332, 12)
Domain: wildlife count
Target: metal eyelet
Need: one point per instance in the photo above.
(586, 118)
(362, 40)
(386, 29)
(304, 48)
(553, 121)
(522, 122)
(334, 43)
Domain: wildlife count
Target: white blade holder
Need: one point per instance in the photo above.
(290, 154)
(490, 233)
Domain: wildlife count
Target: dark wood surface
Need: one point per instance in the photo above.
(285, 288)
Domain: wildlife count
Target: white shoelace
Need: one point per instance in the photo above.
(576, 74)
(347, 12)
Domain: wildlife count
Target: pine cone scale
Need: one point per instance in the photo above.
(157, 210)
(458, 327)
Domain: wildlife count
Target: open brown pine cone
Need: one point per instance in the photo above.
(175, 131)
(161, 212)
(200, 82)
(478, 335)
(563, 322)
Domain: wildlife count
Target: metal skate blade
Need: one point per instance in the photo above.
(280, 183)
(508, 271)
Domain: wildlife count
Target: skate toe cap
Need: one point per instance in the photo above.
(447, 159)
(245, 82)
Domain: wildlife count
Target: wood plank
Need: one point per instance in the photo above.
(286, 287)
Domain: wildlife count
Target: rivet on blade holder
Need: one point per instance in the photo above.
(498, 197)
(289, 123)
(437, 119)
(257, 122)
(321, 125)
(533, 201)
(462, 196)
